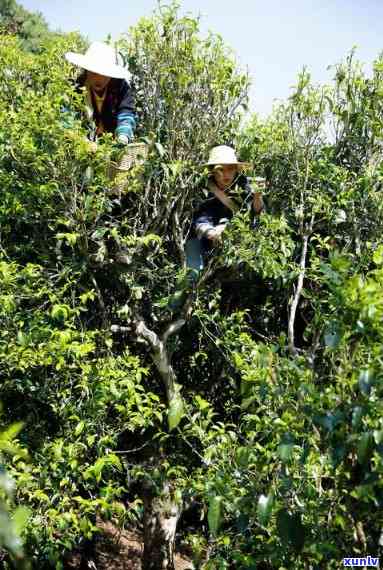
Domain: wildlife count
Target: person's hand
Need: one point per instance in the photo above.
(212, 235)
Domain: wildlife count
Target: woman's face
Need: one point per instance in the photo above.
(224, 175)
(96, 81)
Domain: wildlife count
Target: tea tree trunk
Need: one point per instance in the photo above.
(161, 514)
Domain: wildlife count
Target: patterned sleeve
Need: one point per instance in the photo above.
(126, 117)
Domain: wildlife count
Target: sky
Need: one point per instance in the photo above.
(273, 39)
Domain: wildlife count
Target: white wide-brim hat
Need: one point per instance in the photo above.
(99, 58)
(225, 155)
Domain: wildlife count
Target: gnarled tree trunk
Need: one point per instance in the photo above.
(161, 514)
(161, 511)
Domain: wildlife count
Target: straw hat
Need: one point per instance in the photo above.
(225, 155)
(99, 58)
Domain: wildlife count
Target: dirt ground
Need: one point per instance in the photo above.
(118, 550)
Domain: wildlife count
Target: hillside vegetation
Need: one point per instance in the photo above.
(252, 419)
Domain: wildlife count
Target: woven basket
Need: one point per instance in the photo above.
(134, 154)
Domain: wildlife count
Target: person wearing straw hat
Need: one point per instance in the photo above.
(108, 96)
(228, 191)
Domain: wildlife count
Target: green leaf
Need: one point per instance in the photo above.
(364, 447)
(70, 238)
(264, 508)
(99, 233)
(79, 428)
(11, 432)
(160, 149)
(102, 462)
(214, 515)
(332, 336)
(357, 414)
(378, 255)
(242, 522)
(201, 403)
(176, 411)
(20, 518)
(6, 441)
(290, 529)
(330, 420)
(378, 436)
(60, 312)
(366, 380)
(242, 456)
(285, 451)
(22, 339)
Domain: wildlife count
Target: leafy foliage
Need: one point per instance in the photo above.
(269, 430)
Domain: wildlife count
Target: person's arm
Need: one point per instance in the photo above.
(126, 118)
(206, 222)
(204, 226)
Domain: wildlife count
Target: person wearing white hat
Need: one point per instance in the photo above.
(228, 191)
(109, 98)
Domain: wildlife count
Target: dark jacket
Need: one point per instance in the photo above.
(117, 115)
(213, 212)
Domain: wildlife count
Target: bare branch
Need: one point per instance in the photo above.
(159, 356)
(299, 287)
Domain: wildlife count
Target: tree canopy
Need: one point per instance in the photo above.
(30, 27)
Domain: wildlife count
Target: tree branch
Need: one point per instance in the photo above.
(297, 295)
(159, 353)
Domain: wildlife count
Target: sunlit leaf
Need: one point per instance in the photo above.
(264, 508)
(214, 516)
(176, 411)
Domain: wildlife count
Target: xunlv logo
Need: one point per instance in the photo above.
(369, 561)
